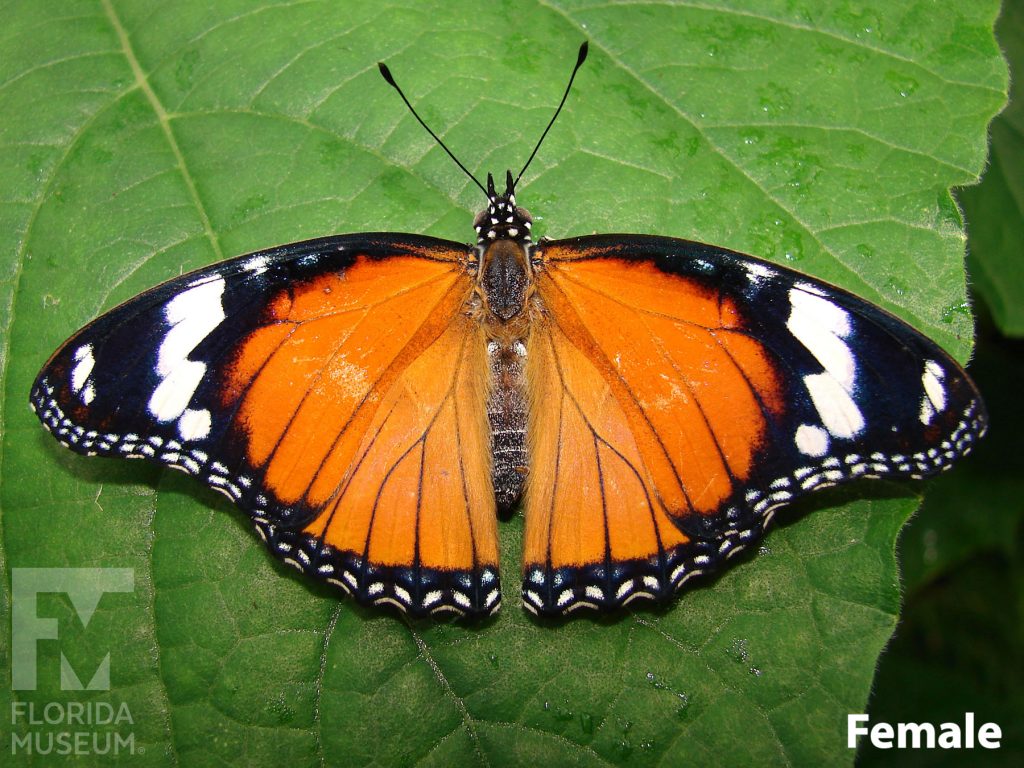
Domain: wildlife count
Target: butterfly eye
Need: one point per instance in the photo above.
(478, 222)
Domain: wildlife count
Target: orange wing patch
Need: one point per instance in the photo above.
(648, 404)
(378, 440)
(694, 387)
(310, 379)
(419, 490)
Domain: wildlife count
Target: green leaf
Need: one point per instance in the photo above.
(143, 139)
(995, 207)
(950, 640)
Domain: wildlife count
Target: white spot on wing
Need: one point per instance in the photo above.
(192, 315)
(81, 372)
(194, 425)
(934, 400)
(839, 414)
(758, 273)
(927, 411)
(171, 397)
(821, 326)
(257, 265)
(811, 440)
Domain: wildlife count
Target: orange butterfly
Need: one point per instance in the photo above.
(373, 400)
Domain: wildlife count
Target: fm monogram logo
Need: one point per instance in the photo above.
(84, 587)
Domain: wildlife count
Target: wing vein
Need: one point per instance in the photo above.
(604, 504)
(633, 399)
(464, 487)
(373, 389)
(667, 356)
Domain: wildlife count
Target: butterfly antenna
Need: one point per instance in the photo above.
(579, 63)
(391, 81)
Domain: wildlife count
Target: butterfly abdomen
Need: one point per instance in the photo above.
(506, 412)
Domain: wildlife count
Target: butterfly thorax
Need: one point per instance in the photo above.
(505, 279)
(504, 246)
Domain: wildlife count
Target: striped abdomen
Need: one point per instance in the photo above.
(506, 412)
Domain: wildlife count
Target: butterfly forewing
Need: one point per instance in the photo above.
(312, 384)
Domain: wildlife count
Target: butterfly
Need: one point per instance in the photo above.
(373, 401)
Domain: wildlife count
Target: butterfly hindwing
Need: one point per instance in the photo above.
(310, 384)
(705, 389)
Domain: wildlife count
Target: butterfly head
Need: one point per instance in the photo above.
(502, 219)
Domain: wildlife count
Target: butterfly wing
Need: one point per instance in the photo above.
(689, 392)
(333, 389)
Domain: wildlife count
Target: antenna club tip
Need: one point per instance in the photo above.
(386, 73)
(584, 49)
